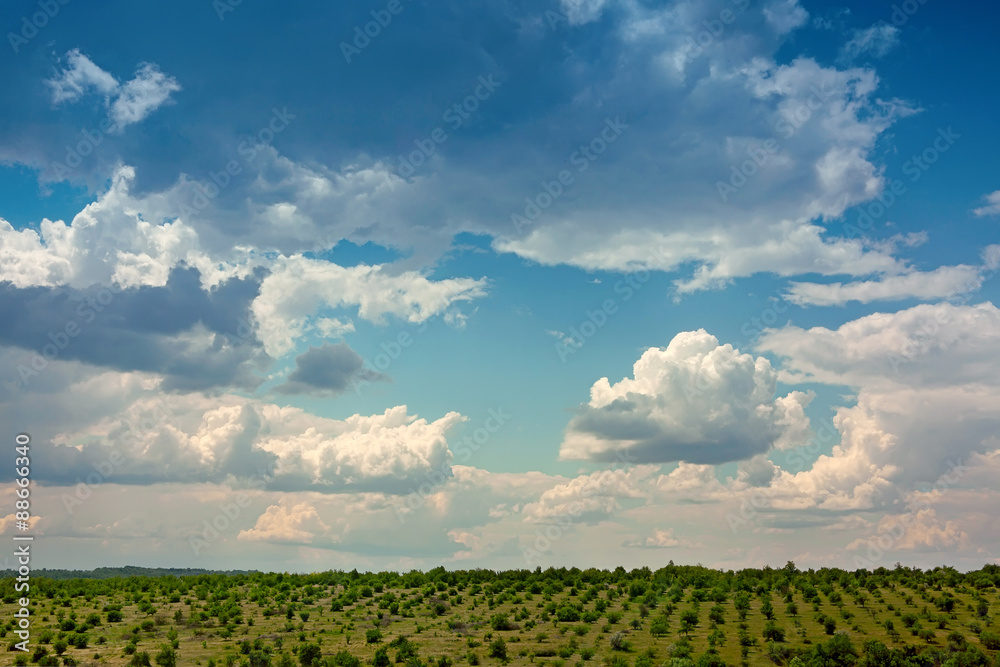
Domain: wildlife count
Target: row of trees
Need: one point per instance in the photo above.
(636, 582)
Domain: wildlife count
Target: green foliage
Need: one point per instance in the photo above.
(167, 657)
(875, 605)
(309, 654)
(498, 649)
(689, 621)
(990, 640)
(773, 632)
(619, 642)
(659, 626)
(501, 622)
(567, 614)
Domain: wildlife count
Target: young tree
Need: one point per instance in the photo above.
(167, 657)
(381, 657)
(689, 621)
(498, 649)
(773, 632)
(309, 654)
(660, 626)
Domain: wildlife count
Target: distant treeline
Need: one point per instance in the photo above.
(695, 576)
(124, 572)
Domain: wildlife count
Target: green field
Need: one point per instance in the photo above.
(674, 616)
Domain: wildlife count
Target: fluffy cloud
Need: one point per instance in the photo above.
(298, 288)
(112, 242)
(197, 439)
(132, 244)
(141, 96)
(919, 347)
(825, 120)
(822, 123)
(289, 523)
(588, 498)
(927, 398)
(695, 401)
(127, 103)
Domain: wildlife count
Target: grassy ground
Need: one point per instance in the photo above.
(464, 627)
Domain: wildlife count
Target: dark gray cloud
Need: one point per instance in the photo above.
(328, 369)
(151, 329)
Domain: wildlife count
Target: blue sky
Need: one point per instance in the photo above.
(589, 282)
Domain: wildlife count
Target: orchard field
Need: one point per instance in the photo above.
(676, 616)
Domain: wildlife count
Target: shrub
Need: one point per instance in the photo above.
(309, 654)
(341, 659)
(618, 641)
(498, 649)
(500, 622)
(659, 626)
(567, 614)
(373, 636)
(989, 640)
(381, 657)
(167, 657)
(773, 632)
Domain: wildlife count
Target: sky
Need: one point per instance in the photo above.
(401, 284)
